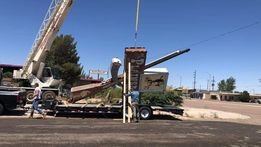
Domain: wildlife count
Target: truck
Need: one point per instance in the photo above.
(11, 99)
(34, 71)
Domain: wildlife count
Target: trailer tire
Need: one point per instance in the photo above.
(145, 113)
(29, 96)
(48, 95)
(2, 109)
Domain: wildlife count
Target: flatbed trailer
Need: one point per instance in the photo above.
(146, 111)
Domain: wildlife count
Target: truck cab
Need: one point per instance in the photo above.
(11, 99)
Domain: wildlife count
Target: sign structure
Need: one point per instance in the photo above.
(100, 72)
(155, 82)
(137, 57)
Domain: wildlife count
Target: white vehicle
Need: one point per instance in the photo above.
(258, 101)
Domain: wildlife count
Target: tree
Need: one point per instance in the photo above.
(228, 85)
(222, 85)
(244, 96)
(64, 57)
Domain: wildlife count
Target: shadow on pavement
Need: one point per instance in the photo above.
(15, 113)
(111, 116)
(166, 117)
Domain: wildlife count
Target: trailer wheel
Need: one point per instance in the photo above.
(29, 96)
(145, 113)
(48, 95)
(2, 109)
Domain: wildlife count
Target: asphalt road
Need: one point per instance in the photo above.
(110, 132)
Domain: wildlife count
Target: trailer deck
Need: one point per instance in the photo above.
(87, 109)
(84, 109)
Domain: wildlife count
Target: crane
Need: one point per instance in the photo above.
(34, 68)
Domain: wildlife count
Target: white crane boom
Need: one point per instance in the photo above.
(51, 24)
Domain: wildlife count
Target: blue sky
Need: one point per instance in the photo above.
(103, 28)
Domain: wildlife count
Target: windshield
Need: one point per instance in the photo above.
(56, 73)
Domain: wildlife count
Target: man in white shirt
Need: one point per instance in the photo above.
(37, 98)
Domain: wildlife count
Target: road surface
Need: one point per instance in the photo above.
(76, 132)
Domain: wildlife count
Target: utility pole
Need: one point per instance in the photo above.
(213, 83)
(207, 85)
(195, 77)
(180, 81)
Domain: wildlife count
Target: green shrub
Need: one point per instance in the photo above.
(244, 96)
(7, 75)
(110, 92)
(165, 98)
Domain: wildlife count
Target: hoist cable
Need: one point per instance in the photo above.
(137, 22)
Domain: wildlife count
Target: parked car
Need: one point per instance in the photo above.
(10, 100)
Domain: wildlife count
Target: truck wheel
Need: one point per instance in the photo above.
(2, 109)
(29, 96)
(145, 113)
(48, 95)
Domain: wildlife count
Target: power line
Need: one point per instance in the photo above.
(226, 33)
(220, 35)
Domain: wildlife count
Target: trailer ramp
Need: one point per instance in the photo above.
(81, 92)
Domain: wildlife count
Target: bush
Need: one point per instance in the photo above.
(8, 75)
(110, 92)
(158, 98)
(166, 98)
(244, 96)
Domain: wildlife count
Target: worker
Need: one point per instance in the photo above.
(135, 96)
(37, 98)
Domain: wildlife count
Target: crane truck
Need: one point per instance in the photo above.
(34, 69)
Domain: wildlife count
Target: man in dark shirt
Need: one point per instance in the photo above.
(135, 96)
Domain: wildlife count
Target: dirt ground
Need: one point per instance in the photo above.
(252, 110)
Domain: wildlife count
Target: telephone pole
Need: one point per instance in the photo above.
(213, 83)
(195, 77)
(180, 81)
